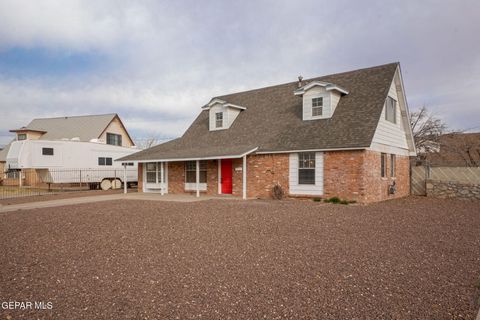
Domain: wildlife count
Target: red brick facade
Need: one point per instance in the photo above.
(355, 175)
(352, 175)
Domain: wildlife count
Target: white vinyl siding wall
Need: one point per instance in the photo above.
(388, 133)
(304, 189)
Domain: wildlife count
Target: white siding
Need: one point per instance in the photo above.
(302, 189)
(229, 115)
(391, 134)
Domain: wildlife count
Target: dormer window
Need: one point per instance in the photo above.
(219, 120)
(317, 107)
(221, 114)
(21, 136)
(319, 99)
(391, 110)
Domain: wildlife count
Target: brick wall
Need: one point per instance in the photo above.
(352, 175)
(355, 175)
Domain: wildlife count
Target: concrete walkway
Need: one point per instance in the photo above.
(91, 199)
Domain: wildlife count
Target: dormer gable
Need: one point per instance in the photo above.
(319, 99)
(222, 114)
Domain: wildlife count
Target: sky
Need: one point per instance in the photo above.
(156, 63)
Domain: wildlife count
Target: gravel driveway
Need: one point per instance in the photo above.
(413, 258)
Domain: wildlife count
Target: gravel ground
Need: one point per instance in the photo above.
(413, 258)
(61, 195)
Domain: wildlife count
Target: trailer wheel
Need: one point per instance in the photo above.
(106, 184)
(116, 184)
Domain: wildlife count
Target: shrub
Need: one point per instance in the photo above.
(333, 200)
(344, 202)
(317, 199)
(277, 192)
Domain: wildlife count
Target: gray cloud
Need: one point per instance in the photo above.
(168, 59)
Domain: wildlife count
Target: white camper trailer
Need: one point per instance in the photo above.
(64, 161)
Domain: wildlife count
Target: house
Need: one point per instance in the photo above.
(454, 149)
(346, 135)
(105, 128)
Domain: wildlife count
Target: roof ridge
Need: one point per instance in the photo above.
(310, 79)
(78, 116)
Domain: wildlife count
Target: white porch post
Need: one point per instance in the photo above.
(197, 180)
(125, 178)
(219, 176)
(244, 172)
(162, 179)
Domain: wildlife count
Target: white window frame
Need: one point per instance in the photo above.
(316, 106)
(217, 120)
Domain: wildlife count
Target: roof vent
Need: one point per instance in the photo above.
(300, 78)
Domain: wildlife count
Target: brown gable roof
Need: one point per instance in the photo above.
(273, 121)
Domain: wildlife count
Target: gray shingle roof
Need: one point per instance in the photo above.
(84, 127)
(273, 121)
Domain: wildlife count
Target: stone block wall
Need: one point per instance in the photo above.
(452, 189)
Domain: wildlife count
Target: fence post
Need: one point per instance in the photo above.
(20, 178)
(80, 178)
(125, 178)
(114, 185)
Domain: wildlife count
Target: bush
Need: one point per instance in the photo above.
(337, 200)
(333, 200)
(277, 192)
(317, 199)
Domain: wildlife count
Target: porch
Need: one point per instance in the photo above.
(206, 177)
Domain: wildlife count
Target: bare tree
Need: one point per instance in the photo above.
(427, 130)
(145, 143)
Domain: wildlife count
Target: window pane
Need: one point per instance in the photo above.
(47, 151)
(392, 165)
(382, 164)
(317, 102)
(390, 110)
(114, 139)
(101, 161)
(219, 119)
(306, 176)
(151, 166)
(108, 161)
(21, 136)
(317, 111)
(151, 177)
(306, 160)
(190, 176)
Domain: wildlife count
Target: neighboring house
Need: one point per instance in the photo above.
(106, 128)
(455, 150)
(345, 135)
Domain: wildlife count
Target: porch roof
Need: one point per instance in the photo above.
(175, 151)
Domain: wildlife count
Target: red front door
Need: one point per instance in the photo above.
(226, 170)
